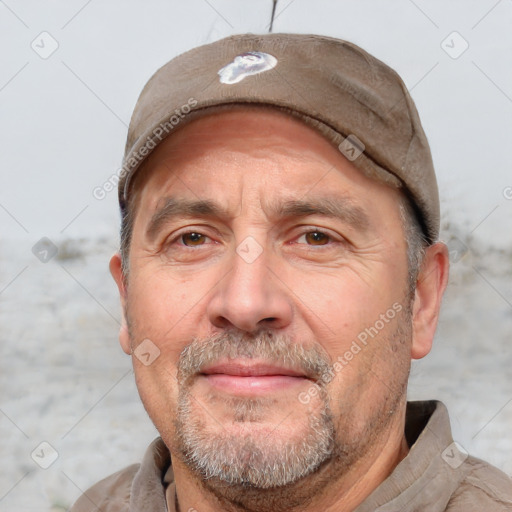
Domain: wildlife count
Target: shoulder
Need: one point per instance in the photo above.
(137, 487)
(111, 494)
(484, 487)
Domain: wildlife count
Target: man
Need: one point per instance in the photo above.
(279, 268)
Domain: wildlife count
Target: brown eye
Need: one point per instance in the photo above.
(316, 238)
(193, 239)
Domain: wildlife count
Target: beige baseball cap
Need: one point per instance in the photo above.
(359, 103)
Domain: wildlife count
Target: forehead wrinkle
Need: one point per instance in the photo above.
(173, 207)
(341, 208)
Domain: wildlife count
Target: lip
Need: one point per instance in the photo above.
(250, 368)
(251, 377)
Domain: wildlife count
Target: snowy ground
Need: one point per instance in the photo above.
(65, 381)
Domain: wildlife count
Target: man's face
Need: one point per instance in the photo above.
(271, 275)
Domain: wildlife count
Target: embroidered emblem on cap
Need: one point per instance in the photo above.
(246, 64)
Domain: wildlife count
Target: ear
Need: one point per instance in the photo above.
(430, 286)
(116, 269)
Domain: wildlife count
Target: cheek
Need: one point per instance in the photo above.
(371, 369)
(340, 306)
(157, 314)
(160, 304)
(357, 322)
(158, 391)
(155, 339)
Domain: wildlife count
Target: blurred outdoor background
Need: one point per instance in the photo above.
(70, 76)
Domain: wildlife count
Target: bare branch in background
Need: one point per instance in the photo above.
(274, 5)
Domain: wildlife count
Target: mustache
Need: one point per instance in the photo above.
(313, 361)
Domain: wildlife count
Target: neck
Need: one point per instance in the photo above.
(343, 492)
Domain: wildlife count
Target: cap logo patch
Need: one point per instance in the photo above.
(246, 64)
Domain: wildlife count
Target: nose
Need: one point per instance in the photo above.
(250, 297)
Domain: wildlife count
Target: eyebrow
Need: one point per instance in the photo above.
(173, 208)
(342, 209)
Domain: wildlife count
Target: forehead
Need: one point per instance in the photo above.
(250, 152)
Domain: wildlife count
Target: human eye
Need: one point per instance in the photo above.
(317, 244)
(315, 237)
(192, 239)
(189, 245)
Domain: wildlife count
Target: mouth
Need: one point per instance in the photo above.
(249, 377)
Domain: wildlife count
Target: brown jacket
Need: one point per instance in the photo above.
(434, 477)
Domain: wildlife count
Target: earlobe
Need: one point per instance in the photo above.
(124, 337)
(116, 269)
(430, 287)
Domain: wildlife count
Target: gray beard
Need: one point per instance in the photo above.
(265, 473)
(251, 461)
(260, 463)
